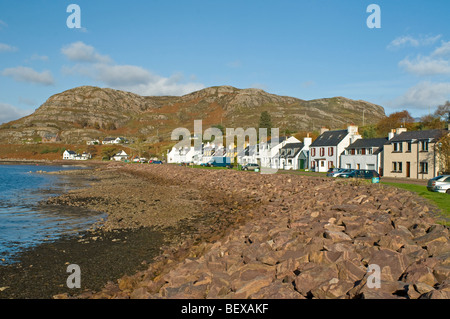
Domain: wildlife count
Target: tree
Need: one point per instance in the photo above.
(265, 121)
(443, 112)
(369, 131)
(394, 120)
(443, 150)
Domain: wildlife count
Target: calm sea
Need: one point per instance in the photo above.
(24, 222)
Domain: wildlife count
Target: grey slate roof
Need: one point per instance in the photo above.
(330, 138)
(417, 135)
(368, 142)
(296, 147)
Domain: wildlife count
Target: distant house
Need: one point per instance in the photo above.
(412, 154)
(120, 156)
(364, 154)
(69, 155)
(115, 140)
(326, 150)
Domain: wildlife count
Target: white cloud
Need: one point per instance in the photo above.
(7, 48)
(25, 74)
(81, 52)
(423, 95)
(10, 113)
(425, 65)
(407, 40)
(131, 78)
(443, 50)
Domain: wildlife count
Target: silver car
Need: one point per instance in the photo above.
(439, 184)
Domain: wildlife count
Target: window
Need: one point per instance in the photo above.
(424, 167)
(409, 147)
(363, 151)
(359, 151)
(397, 167)
(330, 151)
(313, 164)
(322, 151)
(353, 151)
(398, 147)
(313, 152)
(322, 163)
(330, 164)
(370, 151)
(424, 146)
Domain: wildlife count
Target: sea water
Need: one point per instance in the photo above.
(24, 222)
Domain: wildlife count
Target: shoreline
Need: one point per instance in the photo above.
(228, 234)
(111, 248)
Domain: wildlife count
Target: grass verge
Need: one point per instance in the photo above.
(441, 200)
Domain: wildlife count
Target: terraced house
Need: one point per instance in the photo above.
(412, 154)
(326, 150)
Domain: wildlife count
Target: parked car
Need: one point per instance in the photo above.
(360, 173)
(156, 162)
(439, 184)
(250, 167)
(220, 162)
(339, 172)
(332, 171)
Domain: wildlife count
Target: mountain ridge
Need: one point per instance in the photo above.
(88, 112)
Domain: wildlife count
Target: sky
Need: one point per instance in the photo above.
(305, 49)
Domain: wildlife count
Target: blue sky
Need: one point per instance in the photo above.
(306, 49)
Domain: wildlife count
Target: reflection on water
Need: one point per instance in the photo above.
(24, 222)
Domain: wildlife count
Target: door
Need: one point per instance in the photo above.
(302, 164)
(408, 169)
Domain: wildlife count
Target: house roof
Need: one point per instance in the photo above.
(296, 147)
(71, 152)
(330, 138)
(417, 135)
(368, 142)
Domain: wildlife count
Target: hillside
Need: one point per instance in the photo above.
(88, 112)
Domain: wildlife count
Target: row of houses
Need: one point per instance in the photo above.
(402, 154)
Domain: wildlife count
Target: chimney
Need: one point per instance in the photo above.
(323, 129)
(391, 134)
(400, 130)
(307, 141)
(352, 129)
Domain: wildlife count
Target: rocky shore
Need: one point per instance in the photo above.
(272, 236)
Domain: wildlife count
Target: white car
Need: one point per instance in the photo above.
(439, 184)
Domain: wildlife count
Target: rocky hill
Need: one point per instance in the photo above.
(88, 112)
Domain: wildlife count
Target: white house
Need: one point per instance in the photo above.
(325, 151)
(290, 155)
(183, 155)
(364, 154)
(273, 151)
(69, 155)
(121, 156)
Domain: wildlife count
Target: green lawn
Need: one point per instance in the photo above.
(441, 200)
